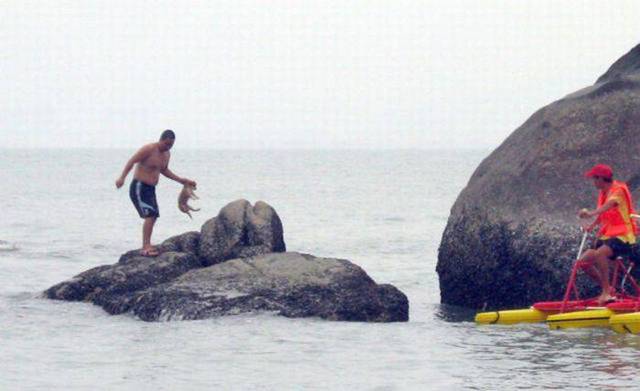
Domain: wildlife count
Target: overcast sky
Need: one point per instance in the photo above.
(296, 74)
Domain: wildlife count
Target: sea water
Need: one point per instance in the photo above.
(383, 210)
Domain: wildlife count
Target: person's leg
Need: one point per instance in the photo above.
(589, 257)
(147, 230)
(602, 258)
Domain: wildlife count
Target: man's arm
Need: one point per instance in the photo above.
(597, 213)
(169, 174)
(136, 158)
(611, 203)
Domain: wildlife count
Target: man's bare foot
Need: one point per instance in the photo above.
(605, 299)
(149, 252)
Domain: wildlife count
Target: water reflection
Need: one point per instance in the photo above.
(453, 313)
(543, 358)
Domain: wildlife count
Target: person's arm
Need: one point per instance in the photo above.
(169, 174)
(136, 158)
(585, 213)
(612, 202)
(589, 227)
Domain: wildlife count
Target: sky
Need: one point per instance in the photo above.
(299, 74)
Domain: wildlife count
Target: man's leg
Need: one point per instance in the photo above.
(147, 230)
(602, 259)
(598, 269)
(591, 270)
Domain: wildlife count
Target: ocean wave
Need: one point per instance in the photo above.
(7, 247)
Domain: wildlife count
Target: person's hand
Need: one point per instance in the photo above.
(586, 227)
(584, 213)
(119, 183)
(189, 182)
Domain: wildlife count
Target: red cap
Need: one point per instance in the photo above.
(601, 170)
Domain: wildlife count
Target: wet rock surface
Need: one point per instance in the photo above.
(288, 284)
(110, 285)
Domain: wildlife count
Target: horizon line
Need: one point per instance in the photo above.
(464, 148)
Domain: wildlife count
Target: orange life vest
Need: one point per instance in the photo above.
(612, 222)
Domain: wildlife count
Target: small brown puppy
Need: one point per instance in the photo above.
(183, 198)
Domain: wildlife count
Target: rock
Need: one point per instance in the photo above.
(627, 67)
(174, 287)
(241, 230)
(235, 265)
(513, 234)
(289, 284)
(187, 243)
(110, 285)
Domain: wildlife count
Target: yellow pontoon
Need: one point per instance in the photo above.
(526, 315)
(579, 319)
(626, 323)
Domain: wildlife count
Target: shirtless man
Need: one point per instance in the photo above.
(151, 161)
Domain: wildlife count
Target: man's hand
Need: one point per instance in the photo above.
(585, 213)
(588, 227)
(119, 183)
(189, 182)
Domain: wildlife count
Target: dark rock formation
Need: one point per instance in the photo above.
(627, 67)
(513, 233)
(187, 242)
(241, 230)
(111, 285)
(194, 277)
(289, 284)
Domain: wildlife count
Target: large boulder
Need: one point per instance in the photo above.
(513, 233)
(288, 284)
(241, 230)
(236, 264)
(174, 286)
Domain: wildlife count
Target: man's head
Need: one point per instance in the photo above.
(602, 175)
(167, 138)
